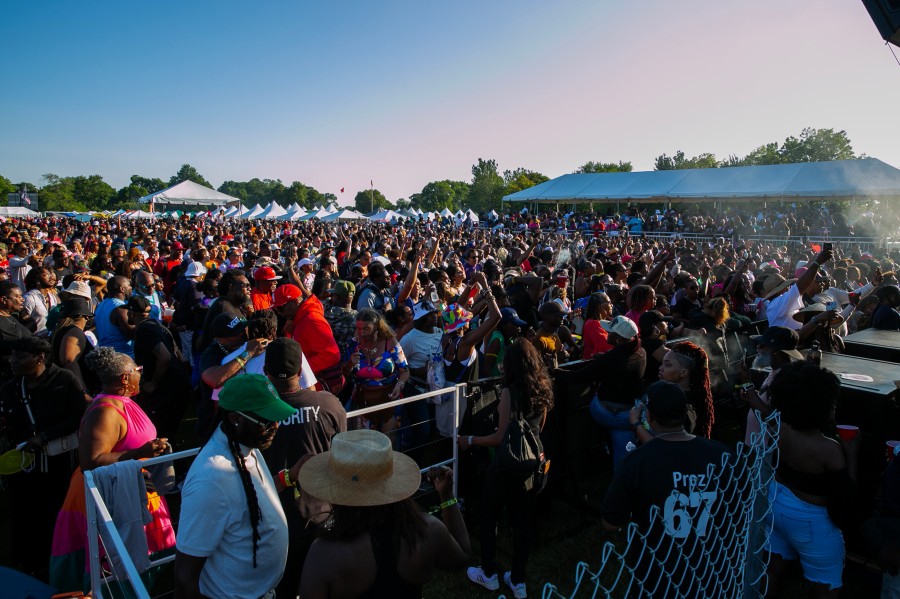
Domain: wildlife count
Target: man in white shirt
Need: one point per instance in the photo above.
(423, 343)
(787, 298)
(233, 538)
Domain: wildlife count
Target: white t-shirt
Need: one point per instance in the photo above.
(781, 310)
(419, 347)
(255, 366)
(215, 523)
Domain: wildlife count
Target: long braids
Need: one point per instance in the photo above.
(249, 490)
(700, 395)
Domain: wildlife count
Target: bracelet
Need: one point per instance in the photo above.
(437, 508)
(285, 477)
(240, 362)
(469, 440)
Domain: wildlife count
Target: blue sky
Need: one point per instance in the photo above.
(404, 93)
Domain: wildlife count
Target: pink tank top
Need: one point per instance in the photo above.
(139, 428)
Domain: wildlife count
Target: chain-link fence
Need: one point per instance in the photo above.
(709, 542)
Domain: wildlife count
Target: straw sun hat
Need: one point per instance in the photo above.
(360, 470)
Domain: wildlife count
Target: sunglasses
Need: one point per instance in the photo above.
(266, 424)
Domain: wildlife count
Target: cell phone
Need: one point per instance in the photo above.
(827, 247)
(434, 297)
(747, 387)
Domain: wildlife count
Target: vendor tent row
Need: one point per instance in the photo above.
(836, 179)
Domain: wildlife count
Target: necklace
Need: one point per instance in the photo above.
(681, 432)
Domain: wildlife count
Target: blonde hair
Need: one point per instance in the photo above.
(719, 308)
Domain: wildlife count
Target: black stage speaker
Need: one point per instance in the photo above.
(886, 16)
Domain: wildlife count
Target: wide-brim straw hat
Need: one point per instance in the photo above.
(361, 469)
(780, 288)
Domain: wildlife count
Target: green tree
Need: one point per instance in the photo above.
(138, 188)
(6, 187)
(93, 192)
(677, 162)
(58, 194)
(364, 200)
(486, 191)
(816, 145)
(437, 195)
(520, 179)
(403, 204)
(604, 167)
(188, 173)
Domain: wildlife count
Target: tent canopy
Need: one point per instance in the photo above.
(867, 177)
(17, 211)
(273, 210)
(188, 193)
(385, 216)
(345, 214)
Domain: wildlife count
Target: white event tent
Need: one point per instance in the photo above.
(320, 214)
(255, 212)
(273, 210)
(345, 214)
(188, 193)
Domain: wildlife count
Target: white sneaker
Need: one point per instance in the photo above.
(478, 576)
(518, 590)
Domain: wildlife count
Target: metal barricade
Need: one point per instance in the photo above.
(99, 518)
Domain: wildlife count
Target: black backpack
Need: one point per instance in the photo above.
(519, 459)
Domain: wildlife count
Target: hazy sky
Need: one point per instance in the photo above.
(335, 94)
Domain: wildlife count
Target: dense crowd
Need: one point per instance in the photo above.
(111, 329)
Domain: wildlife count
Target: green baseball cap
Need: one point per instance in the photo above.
(254, 393)
(344, 288)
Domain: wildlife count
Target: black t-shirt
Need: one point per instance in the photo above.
(674, 476)
(90, 378)
(205, 409)
(684, 307)
(56, 401)
(619, 372)
(10, 330)
(220, 306)
(147, 336)
(319, 417)
(651, 372)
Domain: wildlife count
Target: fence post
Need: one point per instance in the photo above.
(93, 532)
(459, 397)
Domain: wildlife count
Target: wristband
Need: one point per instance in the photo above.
(244, 355)
(469, 440)
(448, 503)
(240, 362)
(285, 477)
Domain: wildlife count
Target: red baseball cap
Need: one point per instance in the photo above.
(265, 273)
(286, 293)
(177, 246)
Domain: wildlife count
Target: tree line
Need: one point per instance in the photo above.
(482, 193)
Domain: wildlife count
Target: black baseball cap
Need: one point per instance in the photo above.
(666, 402)
(138, 303)
(284, 358)
(227, 325)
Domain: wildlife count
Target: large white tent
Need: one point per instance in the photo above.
(17, 211)
(850, 179)
(255, 212)
(273, 211)
(188, 193)
(471, 215)
(410, 212)
(345, 214)
(139, 214)
(446, 212)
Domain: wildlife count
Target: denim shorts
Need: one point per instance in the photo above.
(801, 529)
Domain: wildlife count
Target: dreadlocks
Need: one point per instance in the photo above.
(249, 490)
(693, 358)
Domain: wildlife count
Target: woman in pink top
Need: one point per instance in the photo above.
(114, 429)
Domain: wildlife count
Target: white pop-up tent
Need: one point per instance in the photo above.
(273, 211)
(446, 212)
(471, 216)
(385, 216)
(293, 215)
(188, 193)
(319, 214)
(345, 214)
(255, 212)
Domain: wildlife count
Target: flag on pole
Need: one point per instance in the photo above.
(342, 190)
(372, 183)
(23, 195)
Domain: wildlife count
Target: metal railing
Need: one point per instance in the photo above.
(99, 518)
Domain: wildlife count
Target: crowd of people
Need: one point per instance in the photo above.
(264, 335)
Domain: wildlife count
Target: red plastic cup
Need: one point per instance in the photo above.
(890, 448)
(847, 432)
